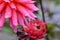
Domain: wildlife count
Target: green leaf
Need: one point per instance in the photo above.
(50, 26)
(50, 29)
(7, 29)
(57, 2)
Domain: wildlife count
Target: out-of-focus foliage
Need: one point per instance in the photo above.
(50, 26)
(8, 29)
(57, 2)
(50, 29)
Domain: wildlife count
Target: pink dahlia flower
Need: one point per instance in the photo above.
(36, 29)
(16, 11)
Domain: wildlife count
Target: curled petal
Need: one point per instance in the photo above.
(21, 20)
(12, 5)
(23, 1)
(8, 12)
(2, 5)
(2, 21)
(31, 14)
(32, 7)
(21, 8)
(25, 12)
(12, 26)
(14, 18)
(7, 0)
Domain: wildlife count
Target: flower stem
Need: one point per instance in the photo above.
(47, 38)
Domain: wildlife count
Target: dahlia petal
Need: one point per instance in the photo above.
(29, 2)
(31, 13)
(32, 7)
(21, 20)
(26, 22)
(7, 0)
(30, 17)
(12, 26)
(2, 20)
(1, 6)
(12, 5)
(22, 1)
(14, 18)
(1, 1)
(8, 12)
(25, 13)
(21, 8)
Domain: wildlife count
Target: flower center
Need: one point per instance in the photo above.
(37, 26)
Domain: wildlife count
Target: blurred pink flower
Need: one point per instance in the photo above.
(36, 29)
(16, 11)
